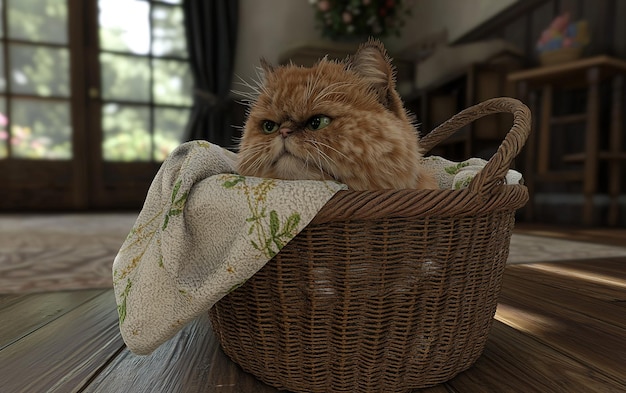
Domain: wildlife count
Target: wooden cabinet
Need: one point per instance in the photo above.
(600, 153)
(478, 82)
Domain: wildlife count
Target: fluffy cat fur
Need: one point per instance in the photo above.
(336, 120)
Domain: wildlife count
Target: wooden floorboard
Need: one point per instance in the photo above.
(560, 327)
(568, 328)
(542, 289)
(613, 268)
(568, 279)
(28, 313)
(514, 362)
(608, 236)
(192, 362)
(66, 353)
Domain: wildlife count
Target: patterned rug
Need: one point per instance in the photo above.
(66, 252)
(59, 252)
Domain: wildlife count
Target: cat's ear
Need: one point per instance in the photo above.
(265, 70)
(372, 63)
(266, 67)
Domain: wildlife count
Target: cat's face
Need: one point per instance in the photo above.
(336, 120)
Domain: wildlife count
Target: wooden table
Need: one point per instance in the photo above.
(586, 73)
(560, 327)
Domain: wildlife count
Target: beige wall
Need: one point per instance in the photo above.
(268, 27)
(456, 16)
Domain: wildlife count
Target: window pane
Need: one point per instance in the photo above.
(41, 129)
(168, 32)
(126, 135)
(36, 20)
(125, 77)
(3, 82)
(39, 70)
(125, 26)
(172, 82)
(1, 19)
(4, 134)
(169, 125)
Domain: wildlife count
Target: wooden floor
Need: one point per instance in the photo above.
(608, 236)
(560, 327)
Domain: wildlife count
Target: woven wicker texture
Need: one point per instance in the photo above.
(385, 291)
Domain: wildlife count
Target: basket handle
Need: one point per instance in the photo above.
(491, 177)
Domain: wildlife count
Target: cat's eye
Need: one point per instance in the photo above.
(317, 122)
(269, 127)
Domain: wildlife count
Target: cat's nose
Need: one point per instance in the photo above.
(285, 131)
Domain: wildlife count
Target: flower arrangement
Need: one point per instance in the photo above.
(360, 18)
(562, 35)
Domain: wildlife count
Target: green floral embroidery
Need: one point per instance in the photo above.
(184, 293)
(121, 308)
(462, 183)
(278, 236)
(140, 234)
(177, 204)
(143, 234)
(454, 169)
(269, 233)
(236, 179)
(204, 144)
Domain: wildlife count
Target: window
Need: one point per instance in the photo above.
(146, 81)
(34, 81)
(94, 94)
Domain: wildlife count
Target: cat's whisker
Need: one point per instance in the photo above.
(306, 160)
(255, 89)
(334, 149)
(260, 81)
(259, 163)
(238, 139)
(309, 87)
(330, 163)
(333, 86)
(312, 82)
(244, 82)
(254, 159)
(318, 162)
(328, 94)
(238, 128)
(246, 98)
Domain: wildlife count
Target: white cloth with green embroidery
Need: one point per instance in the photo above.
(204, 230)
(458, 175)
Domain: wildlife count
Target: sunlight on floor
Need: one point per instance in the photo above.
(580, 274)
(524, 320)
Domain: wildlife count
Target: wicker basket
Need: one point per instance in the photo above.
(385, 291)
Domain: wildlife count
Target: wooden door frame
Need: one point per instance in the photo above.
(79, 39)
(27, 184)
(86, 181)
(113, 185)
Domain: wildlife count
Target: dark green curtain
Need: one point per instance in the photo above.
(211, 30)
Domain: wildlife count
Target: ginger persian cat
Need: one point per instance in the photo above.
(336, 120)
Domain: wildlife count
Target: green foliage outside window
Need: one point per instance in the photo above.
(42, 129)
